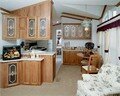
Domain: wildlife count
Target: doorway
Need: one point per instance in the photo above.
(58, 49)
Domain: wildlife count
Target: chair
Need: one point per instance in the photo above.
(87, 52)
(93, 65)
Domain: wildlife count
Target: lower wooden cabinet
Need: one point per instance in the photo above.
(9, 74)
(71, 58)
(28, 72)
(48, 68)
(31, 72)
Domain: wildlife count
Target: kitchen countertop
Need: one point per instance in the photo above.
(72, 50)
(22, 59)
(37, 52)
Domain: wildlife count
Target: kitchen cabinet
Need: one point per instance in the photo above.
(31, 28)
(70, 57)
(75, 31)
(35, 21)
(44, 21)
(31, 72)
(9, 74)
(66, 58)
(23, 27)
(48, 68)
(10, 27)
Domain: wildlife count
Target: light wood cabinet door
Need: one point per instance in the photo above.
(26, 67)
(9, 74)
(44, 21)
(31, 28)
(66, 31)
(66, 56)
(31, 72)
(48, 68)
(35, 72)
(10, 27)
(23, 27)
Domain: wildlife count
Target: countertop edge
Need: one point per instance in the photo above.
(22, 59)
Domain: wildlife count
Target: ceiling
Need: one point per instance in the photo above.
(91, 8)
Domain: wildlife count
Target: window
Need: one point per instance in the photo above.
(111, 12)
(105, 17)
(114, 13)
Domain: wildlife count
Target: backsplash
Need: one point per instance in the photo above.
(75, 43)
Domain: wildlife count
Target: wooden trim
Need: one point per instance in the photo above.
(71, 23)
(4, 10)
(56, 24)
(118, 4)
(79, 16)
(71, 17)
(108, 20)
(103, 12)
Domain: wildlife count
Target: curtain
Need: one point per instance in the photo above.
(110, 40)
(107, 43)
(118, 45)
(113, 46)
(101, 43)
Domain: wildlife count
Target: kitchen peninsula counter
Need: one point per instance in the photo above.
(30, 71)
(22, 59)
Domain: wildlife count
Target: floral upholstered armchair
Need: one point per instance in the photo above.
(105, 83)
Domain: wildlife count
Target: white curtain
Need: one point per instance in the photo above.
(110, 40)
(113, 46)
(107, 43)
(118, 44)
(101, 43)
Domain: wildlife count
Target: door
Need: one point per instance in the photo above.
(10, 74)
(26, 68)
(10, 27)
(45, 21)
(31, 28)
(35, 72)
(32, 72)
(42, 28)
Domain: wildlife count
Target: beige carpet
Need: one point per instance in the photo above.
(65, 84)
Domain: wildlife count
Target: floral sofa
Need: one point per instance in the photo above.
(105, 83)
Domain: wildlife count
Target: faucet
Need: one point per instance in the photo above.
(30, 49)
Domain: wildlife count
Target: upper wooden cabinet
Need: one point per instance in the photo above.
(44, 21)
(23, 27)
(35, 21)
(10, 27)
(75, 31)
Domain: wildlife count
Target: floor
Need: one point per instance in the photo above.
(65, 84)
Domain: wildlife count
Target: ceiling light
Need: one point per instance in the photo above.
(86, 22)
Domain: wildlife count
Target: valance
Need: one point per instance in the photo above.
(109, 26)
